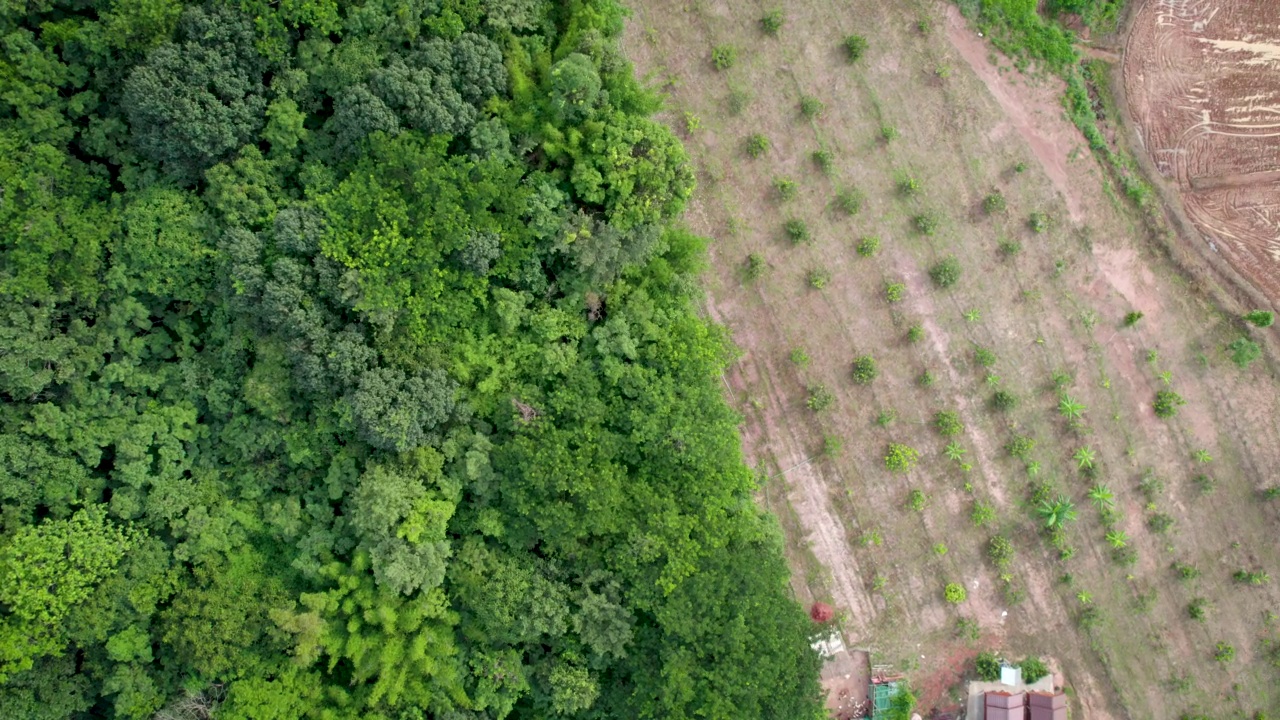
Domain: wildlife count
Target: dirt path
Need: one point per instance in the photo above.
(1034, 112)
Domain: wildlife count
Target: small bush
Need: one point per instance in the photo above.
(954, 593)
(800, 357)
(1033, 669)
(855, 46)
(1004, 401)
(850, 201)
(1224, 652)
(1167, 403)
(984, 356)
(917, 500)
(926, 379)
(820, 398)
(818, 278)
(1196, 609)
(886, 417)
(1009, 248)
(982, 514)
(1132, 318)
(824, 159)
(926, 223)
(772, 22)
(1251, 577)
(798, 231)
(946, 272)
(868, 246)
(987, 666)
(967, 629)
(1000, 550)
(832, 446)
(723, 57)
(755, 266)
(757, 145)
(1260, 318)
(1020, 447)
(1205, 484)
(894, 292)
(908, 185)
(811, 107)
(1160, 522)
(888, 133)
(1186, 571)
(865, 370)
(1244, 351)
(739, 99)
(948, 423)
(1038, 222)
(900, 458)
(915, 333)
(786, 187)
(994, 203)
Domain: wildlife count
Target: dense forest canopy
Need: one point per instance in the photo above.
(350, 369)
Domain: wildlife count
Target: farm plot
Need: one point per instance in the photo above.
(1203, 85)
(953, 353)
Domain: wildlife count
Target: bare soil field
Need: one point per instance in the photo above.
(1203, 84)
(1047, 303)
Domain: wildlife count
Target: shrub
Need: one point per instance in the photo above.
(786, 187)
(1004, 401)
(984, 356)
(850, 201)
(1260, 318)
(967, 629)
(820, 398)
(1020, 446)
(824, 159)
(1132, 318)
(915, 333)
(908, 185)
(926, 223)
(894, 292)
(723, 57)
(1205, 484)
(798, 231)
(888, 133)
(994, 203)
(1196, 609)
(1224, 652)
(855, 46)
(800, 357)
(954, 593)
(939, 549)
(811, 107)
(987, 666)
(1000, 550)
(1244, 351)
(757, 145)
(832, 446)
(900, 458)
(1160, 522)
(739, 99)
(886, 417)
(1033, 669)
(1186, 571)
(982, 514)
(1009, 248)
(917, 500)
(1038, 222)
(948, 423)
(946, 272)
(865, 370)
(818, 278)
(755, 266)
(926, 379)
(868, 246)
(772, 21)
(1167, 403)
(1251, 577)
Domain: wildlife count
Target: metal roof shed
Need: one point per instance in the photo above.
(1047, 706)
(1005, 706)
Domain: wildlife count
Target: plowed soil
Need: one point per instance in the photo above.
(1203, 85)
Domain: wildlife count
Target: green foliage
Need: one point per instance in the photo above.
(1057, 512)
(820, 398)
(994, 203)
(1132, 317)
(772, 21)
(900, 458)
(946, 272)
(800, 357)
(948, 423)
(1001, 552)
(1160, 522)
(885, 418)
(1167, 403)
(798, 231)
(1020, 447)
(917, 500)
(811, 107)
(985, 357)
(855, 46)
(756, 266)
(908, 185)
(888, 133)
(868, 246)
(1009, 248)
(1260, 318)
(987, 666)
(1004, 401)
(954, 593)
(1224, 652)
(1033, 669)
(1019, 31)
(1251, 577)
(894, 292)
(1243, 351)
(850, 201)
(786, 187)
(915, 333)
(818, 278)
(724, 57)
(983, 514)
(1197, 609)
(1038, 222)
(825, 160)
(757, 145)
(865, 370)
(926, 223)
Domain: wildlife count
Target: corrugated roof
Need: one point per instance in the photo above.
(1000, 699)
(1047, 700)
